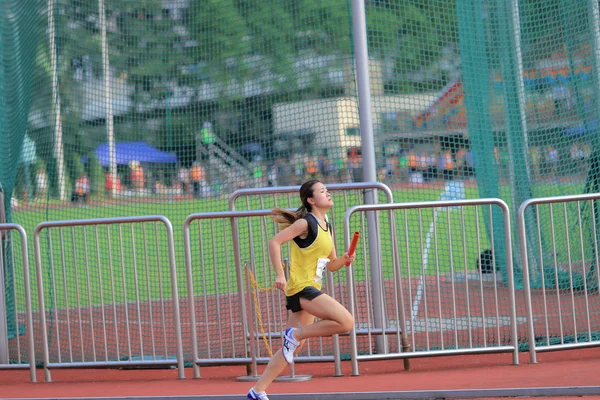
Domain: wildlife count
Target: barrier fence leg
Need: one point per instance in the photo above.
(252, 368)
(292, 377)
(405, 348)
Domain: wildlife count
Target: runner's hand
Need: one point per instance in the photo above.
(280, 283)
(349, 259)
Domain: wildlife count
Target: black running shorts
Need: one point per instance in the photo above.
(293, 301)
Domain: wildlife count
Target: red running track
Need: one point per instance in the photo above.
(570, 368)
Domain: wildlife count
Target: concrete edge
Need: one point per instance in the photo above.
(412, 394)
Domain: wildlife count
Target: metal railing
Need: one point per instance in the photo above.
(287, 196)
(223, 318)
(104, 302)
(221, 289)
(560, 270)
(345, 194)
(104, 293)
(15, 289)
(423, 311)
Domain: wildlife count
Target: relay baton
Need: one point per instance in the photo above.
(353, 245)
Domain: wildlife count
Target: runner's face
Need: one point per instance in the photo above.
(321, 196)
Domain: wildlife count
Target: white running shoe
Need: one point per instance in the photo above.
(289, 345)
(253, 395)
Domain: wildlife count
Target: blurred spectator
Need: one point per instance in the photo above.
(284, 172)
(391, 166)
(562, 99)
(534, 157)
(441, 162)
(447, 165)
(198, 176)
(430, 166)
(258, 172)
(577, 157)
(81, 190)
(108, 183)
(331, 169)
(312, 168)
(298, 168)
(41, 178)
(402, 171)
(355, 165)
(411, 160)
(136, 175)
(272, 175)
(184, 179)
(208, 137)
(323, 166)
(552, 161)
(469, 164)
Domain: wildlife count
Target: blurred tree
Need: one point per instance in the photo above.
(325, 27)
(145, 47)
(218, 37)
(79, 60)
(253, 40)
(75, 42)
(285, 50)
(414, 37)
(242, 41)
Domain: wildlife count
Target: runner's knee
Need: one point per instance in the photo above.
(346, 323)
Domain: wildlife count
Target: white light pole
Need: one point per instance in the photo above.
(59, 153)
(359, 34)
(110, 131)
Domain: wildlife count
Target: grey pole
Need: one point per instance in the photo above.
(516, 119)
(4, 353)
(594, 30)
(3, 320)
(110, 130)
(359, 30)
(59, 151)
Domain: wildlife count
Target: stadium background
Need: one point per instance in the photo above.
(167, 107)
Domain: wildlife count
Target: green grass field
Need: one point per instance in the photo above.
(100, 270)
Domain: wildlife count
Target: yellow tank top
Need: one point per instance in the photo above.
(309, 257)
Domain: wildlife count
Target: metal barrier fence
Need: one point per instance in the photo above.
(16, 316)
(446, 310)
(287, 196)
(105, 299)
(560, 269)
(227, 298)
(224, 317)
(345, 195)
(108, 293)
(219, 314)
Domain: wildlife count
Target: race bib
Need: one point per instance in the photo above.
(321, 265)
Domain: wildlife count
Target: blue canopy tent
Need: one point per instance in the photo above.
(126, 152)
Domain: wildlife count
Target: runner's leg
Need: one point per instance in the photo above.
(334, 318)
(277, 363)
